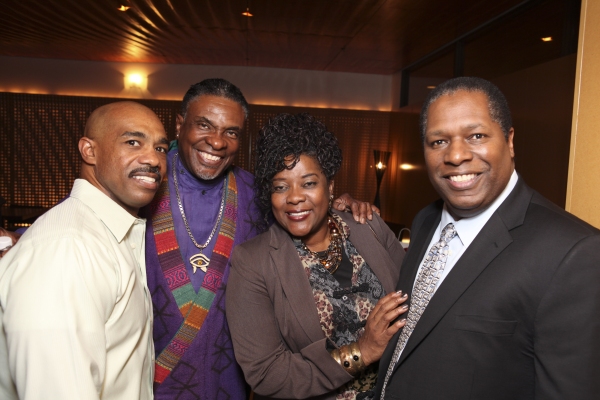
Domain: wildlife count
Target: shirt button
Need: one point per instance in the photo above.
(344, 298)
(132, 245)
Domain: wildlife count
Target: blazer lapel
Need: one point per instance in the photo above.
(419, 245)
(493, 238)
(408, 272)
(294, 282)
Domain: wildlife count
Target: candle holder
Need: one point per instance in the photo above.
(381, 160)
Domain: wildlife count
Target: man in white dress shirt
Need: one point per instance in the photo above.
(75, 311)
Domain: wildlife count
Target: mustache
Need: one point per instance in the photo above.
(151, 170)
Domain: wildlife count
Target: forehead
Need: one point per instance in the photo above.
(139, 121)
(305, 164)
(209, 104)
(460, 107)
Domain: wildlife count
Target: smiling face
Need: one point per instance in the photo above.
(300, 202)
(124, 153)
(468, 158)
(209, 135)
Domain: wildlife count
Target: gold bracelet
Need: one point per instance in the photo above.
(350, 358)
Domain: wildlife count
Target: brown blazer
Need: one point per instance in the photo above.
(277, 336)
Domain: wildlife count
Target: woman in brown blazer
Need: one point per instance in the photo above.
(310, 302)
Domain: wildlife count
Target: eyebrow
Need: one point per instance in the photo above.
(469, 127)
(142, 135)
(211, 123)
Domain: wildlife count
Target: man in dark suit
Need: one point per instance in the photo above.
(506, 305)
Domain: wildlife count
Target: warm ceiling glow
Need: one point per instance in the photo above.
(431, 87)
(247, 13)
(547, 39)
(407, 167)
(123, 8)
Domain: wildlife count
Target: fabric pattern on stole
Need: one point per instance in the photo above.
(202, 363)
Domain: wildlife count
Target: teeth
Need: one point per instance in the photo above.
(297, 214)
(145, 179)
(462, 178)
(210, 156)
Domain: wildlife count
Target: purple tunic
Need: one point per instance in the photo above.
(208, 369)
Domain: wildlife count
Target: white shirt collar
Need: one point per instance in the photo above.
(115, 217)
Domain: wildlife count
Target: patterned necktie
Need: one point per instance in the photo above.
(433, 267)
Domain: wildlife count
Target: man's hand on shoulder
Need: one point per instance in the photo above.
(361, 210)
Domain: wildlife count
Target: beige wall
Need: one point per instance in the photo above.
(263, 86)
(583, 187)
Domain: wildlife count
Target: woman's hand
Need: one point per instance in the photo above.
(378, 330)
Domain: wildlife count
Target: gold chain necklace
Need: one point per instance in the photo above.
(331, 258)
(199, 260)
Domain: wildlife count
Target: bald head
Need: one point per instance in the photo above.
(105, 117)
(123, 153)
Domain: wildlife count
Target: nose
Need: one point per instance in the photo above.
(151, 157)
(295, 195)
(216, 141)
(457, 152)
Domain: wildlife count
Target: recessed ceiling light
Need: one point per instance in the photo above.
(431, 87)
(247, 13)
(547, 39)
(123, 8)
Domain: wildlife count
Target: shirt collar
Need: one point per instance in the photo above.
(468, 228)
(115, 217)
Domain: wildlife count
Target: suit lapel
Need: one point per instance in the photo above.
(409, 269)
(294, 283)
(493, 238)
(419, 245)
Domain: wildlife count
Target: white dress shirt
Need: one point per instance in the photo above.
(75, 310)
(467, 230)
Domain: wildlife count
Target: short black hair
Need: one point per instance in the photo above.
(214, 87)
(289, 136)
(497, 104)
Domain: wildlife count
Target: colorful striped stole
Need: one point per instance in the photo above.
(193, 306)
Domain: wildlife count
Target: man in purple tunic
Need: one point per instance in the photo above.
(204, 207)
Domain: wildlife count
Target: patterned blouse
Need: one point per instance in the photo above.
(343, 311)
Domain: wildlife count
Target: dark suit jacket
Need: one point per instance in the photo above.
(518, 317)
(277, 336)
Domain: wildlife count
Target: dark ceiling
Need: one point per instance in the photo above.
(364, 36)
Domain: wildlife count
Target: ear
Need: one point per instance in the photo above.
(331, 187)
(178, 123)
(511, 148)
(87, 149)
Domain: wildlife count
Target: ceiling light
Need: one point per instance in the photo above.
(431, 87)
(123, 8)
(547, 39)
(136, 81)
(247, 13)
(407, 167)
